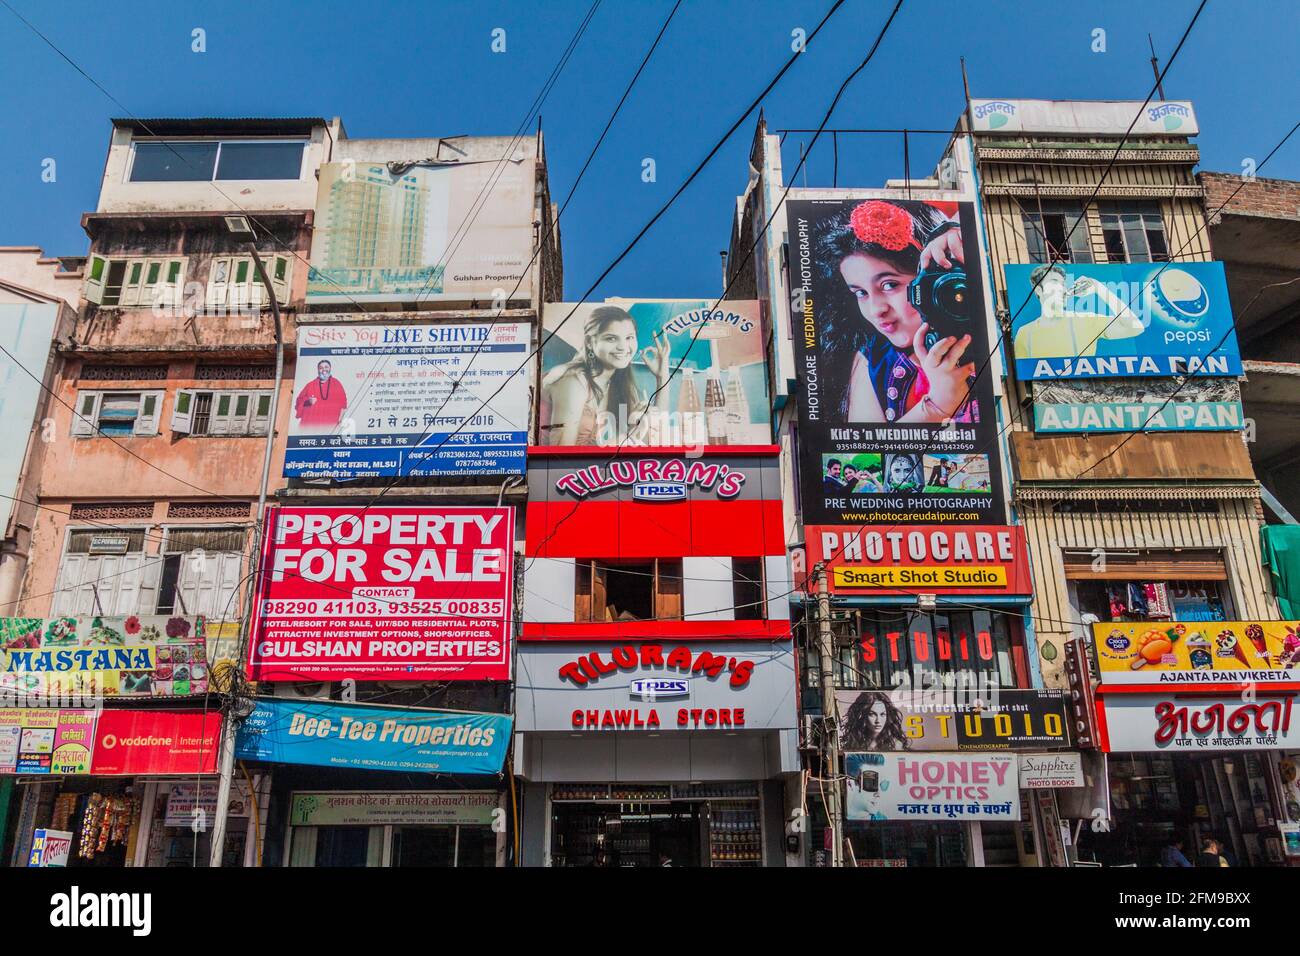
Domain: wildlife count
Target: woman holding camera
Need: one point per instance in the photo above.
(877, 248)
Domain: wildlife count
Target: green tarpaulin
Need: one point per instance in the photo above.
(1281, 546)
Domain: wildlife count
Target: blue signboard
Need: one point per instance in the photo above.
(327, 734)
(1124, 320)
(375, 401)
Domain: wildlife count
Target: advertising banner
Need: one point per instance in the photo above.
(157, 742)
(386, 400)
(932, 786)
(25, 332)
(1051, 771)
(46, 741)
(368, 808)
(1122, 320)
(50, 848)
(138, 655)
(605, 362)
(324, 734)
(385, 593)
(655, 687)
(998, 719)
(1127, 405)
(1196, 652)
(894, 425)
(1082, 117)
(431, 233)
(903, 560)
(184, 798)
(1183, 722)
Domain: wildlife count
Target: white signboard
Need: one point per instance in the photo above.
(1045, 771)
(931, 786)
(342, 808)
(1084, 117)
(1158, 722)
(181, 802)
(396, 400)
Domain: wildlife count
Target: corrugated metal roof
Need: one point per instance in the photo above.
(216, 124)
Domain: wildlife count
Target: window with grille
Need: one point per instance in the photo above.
(116, 413)
(135, 281)
(238, 412)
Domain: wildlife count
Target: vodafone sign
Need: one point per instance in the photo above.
(876, 559)
(135, 742)
(394, 593)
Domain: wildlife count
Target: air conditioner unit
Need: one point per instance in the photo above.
(303, 691)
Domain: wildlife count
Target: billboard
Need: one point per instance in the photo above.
(455, 232)
(130, 742)
(897, 559)
(1146, 723)
(1198, 652)
(894, 424)
(386, 400)
(324, 734)
(385, 593)
(1082, 117)
(45, 740)
(1123, 320)
(931, 721)
(25, 332)
(1132, 405)
(891, 786)
(136, 655)
(605, 362)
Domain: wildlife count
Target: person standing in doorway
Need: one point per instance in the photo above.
(1172, 854)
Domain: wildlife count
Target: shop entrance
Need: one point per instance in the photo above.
(615, 825)
(399, 846)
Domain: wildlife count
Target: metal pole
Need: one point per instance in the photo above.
(830, 711)
(230, 723)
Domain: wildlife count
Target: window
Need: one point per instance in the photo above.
(747, 589)
(221, 412)
(116, 413)
(233, 281)
(100, 576)
(135, 281)
(1134, 232)
(628, 590)
(1048, 224)
(200, 572)
(187, 161)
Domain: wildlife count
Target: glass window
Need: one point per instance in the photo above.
(946, 648)
(1133, 232)
(253, 160)
(747, 589)
(159, 162)
(1057, 231)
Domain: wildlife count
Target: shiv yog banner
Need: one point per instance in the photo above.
(325, 734)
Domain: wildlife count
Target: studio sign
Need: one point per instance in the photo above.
(653, 479)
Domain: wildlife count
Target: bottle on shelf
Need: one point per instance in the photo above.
(715, 408)
(690, 412)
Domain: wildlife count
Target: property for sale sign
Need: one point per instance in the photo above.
(388, 593)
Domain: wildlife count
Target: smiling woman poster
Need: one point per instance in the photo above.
(653, 373)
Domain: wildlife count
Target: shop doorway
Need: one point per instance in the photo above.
(397, 846)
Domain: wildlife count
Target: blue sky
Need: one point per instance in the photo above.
(426, 69)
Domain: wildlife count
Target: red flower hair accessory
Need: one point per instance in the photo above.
(883, 224)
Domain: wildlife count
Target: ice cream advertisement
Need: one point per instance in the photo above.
(1197, 652)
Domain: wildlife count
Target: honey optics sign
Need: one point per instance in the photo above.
(906, 559)
(1198, 652)
(932, 786)
(398, 593)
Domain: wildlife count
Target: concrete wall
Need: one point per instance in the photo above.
(30, 268)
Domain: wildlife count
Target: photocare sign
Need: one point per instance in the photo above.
(1188, 653)
(891, 560)
(923, 786)
(326, 734)
(378, 400)
(385, 593)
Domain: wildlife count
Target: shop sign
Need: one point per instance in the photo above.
(46, 741)
(1138, 405)
(901, 559)
(1046, 771)
(126, 656)
(929, 721)
(50, 848)
(1055, 118)
(1190, 724)
(880, 439)
(653, 479)
(156, 742)
(1189, 653)
(1122, 320)
(367, 808)
(324, 734)
(926, 786)
(1080, 702)
(385, 593)
(182, 802)
(717, 685)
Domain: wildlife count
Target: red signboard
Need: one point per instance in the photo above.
(906, 559)
(136, 742)
(389, 593)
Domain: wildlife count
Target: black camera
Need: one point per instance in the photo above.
(940, 296)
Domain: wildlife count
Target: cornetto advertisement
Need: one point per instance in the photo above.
(894, 427)
(1198, 652)
(396, 593)
(608, 374)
